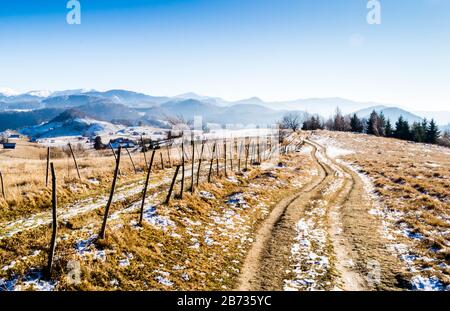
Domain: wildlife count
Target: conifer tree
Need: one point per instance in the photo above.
(372, 124)
(432, 133)
(389, 132)
(381, 124)
(418, 133)
(402, 129)
(356, 124)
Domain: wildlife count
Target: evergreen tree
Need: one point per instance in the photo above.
(98, 144)
(372, 124)
(432, 133)
(389, 132)
(418, 133)
(381, 125)
(312, 123)
(316, 123)
(356, 124)
(402, 129)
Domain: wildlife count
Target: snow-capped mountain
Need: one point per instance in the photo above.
(71, 92)
(128, 107)
(40, 93)
(6, 92)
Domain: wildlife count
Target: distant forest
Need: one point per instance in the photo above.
(20, 119)
(421, 132)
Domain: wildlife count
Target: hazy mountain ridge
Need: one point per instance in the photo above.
(19, 119)
(391, 113)
(130, 108)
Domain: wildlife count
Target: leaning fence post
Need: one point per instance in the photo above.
(182, 170)
(200, 162)
(258, 152)
(193, 162)
(225, 156)
(231, 154)
(144, 193)
(54, 225)
(3, 186)
(162, 160)
(75, 161)
(217, 160)
(131, 159)
(48, 164)
(144, 149)
(247, 149)
(241, 147)
(114, 154)
(108, 205)
(212, 162)
(172, 184)
(168, 155)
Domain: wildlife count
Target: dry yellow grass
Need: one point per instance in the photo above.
(24, 171)
(184, 248)
(412, 184)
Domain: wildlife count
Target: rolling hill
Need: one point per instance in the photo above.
(71, 122)
(391, 113)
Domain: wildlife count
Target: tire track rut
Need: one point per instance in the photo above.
(270, 263)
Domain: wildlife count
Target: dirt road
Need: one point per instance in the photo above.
(321, 238)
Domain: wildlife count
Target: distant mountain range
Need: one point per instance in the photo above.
(391, 113)
(18, 111)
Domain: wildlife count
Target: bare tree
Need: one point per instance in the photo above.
(178, 120)
(291, 121)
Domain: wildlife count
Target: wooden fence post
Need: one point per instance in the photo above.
(131, 159)
(3, 186)
(172, 184)
(217, 160)
(48, 165)
(247, 150)
(168, 155)
(182, 170)
(162, 160)
(232, 153)
(51, 253)
(144, 193)
(144, 149)
(200, 162)
(212, 162)
(111, 194)
(114, 154)
(193, 162)
(252, 153)
(75, 161)
(259, 152)
(241, 147)
(225, 156)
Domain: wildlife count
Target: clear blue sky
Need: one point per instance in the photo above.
(274, 49)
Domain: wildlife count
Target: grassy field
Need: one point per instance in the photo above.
(396, 206)
(410, 184)
(197, 242)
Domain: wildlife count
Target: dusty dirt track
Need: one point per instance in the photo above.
(333, 203)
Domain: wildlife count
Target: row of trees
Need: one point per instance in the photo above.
(377, 124)
(422, 132)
